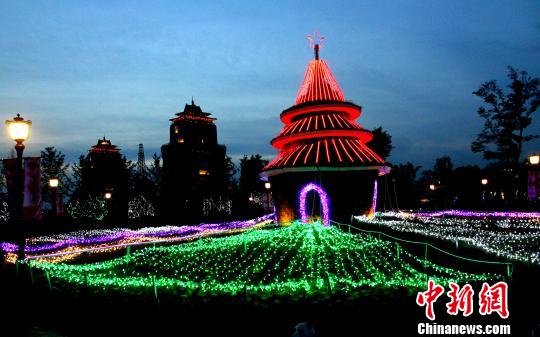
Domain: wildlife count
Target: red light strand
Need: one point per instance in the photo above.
(345, 150)
(308, 152)
(337, 151)
(327, 152)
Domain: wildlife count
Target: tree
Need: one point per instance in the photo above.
(506, 116)
(250, 168)
(53, 166)
(440, 176)
(381, 142)
(248, 201)
(402, 186)
(154, 171)
(230, 172)
(79, 173)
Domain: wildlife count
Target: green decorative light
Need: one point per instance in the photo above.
(295, 261)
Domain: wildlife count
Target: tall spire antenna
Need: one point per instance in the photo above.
(315, 42)
(141, 164)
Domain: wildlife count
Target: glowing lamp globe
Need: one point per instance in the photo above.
(108, 195)
(432, 187)
(534, 159)
(18, 128)
(484, 181)
(53, 182)
(267, 185)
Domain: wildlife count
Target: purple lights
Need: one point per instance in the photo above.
(325, 205)
(473, 214)
(374, 200)
(113, 236)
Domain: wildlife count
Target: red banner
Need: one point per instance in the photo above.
(32, 189)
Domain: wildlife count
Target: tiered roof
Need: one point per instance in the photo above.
(320, 130)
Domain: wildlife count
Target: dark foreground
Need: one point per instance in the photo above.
(34, 310)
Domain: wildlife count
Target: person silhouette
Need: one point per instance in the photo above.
(304, 329)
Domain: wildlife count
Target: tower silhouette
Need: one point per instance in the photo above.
(141, 164)
(322, 149)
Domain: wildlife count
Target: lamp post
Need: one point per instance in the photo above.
(533, 177)
(267, 186)
(19, 131)
(108, 204)
(484, 183)
(53, 184)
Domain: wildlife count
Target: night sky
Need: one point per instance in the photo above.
(81, 70)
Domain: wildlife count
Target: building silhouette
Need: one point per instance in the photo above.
(193, 165)
(105, 172)
(324, 169)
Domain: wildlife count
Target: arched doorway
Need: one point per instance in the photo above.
(325, 204)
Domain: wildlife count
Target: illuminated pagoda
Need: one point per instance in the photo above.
(104, 174)
(193, 165)
(323, 153)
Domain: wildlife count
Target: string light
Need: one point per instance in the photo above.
(325, 203)
(139, 207)
(513, 237)
(291, 262)
(472, 214)
(80, 241)
(92, 209)
(221, 205)
(4, 212)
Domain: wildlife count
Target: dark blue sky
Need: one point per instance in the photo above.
(79, 69)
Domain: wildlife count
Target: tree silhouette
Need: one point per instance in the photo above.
(401, 187)
(381, 142)
(250, 168)
(230, 172)
(506, 116)
(53, 166)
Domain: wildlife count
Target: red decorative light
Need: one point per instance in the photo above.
(319, 84)
(321, 129)
(193, 118)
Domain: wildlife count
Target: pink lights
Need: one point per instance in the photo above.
(325, 204)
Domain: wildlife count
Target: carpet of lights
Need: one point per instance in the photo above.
(297, 261)
(67, 246)
(511, 235)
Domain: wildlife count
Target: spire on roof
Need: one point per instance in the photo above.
(319, 83)
(315, 42)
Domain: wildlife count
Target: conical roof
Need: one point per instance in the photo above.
(319, 84)
(321, 131)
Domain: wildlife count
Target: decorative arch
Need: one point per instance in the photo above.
(325, 204)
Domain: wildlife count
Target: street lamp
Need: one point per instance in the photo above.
(267, 185)
(432, 187)
(53, 184)
(533, 177)
(19, 131)
(108, 195)
(484, 181)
